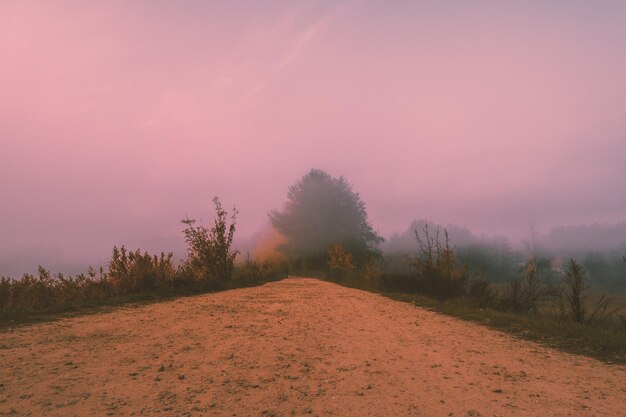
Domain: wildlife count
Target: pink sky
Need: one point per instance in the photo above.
(117, 119)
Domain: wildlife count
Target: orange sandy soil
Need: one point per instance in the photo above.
(295, 347)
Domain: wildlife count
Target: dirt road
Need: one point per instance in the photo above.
(294, 347)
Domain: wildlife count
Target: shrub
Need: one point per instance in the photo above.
(371, 273)
(623, 320)
(340, 262)
(29, 293)
(209, 254)
(480, 291)
(436, 271)
(257, 272)
(532, 290)
(525, 295)
(512, 299)
(576, 287)
(400, 281)
(131, 272)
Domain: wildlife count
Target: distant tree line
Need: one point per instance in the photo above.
(496, 261)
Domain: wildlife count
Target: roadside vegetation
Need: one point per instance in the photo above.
(567, 315)
(134, 275)
(325, 232)
(484, 281)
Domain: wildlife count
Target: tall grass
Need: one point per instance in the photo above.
(210, 266)
(128, 273)
(558, 314)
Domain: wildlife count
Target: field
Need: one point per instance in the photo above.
(293, 347)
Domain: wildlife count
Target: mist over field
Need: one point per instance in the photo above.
(118, 119)
(312, 207)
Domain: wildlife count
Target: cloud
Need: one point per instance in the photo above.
(118, 119)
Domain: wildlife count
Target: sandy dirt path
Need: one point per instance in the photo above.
(294, 347)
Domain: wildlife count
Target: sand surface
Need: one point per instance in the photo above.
(294, 347)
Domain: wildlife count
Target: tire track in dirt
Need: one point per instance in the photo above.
(295, 347)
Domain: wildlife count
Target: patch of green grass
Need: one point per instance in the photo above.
(605, 340)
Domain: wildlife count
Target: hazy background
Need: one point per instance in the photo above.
(117, 119)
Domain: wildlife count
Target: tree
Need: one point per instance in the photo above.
(322, 211)
(209, 254)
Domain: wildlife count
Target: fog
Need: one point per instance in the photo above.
(119, 119)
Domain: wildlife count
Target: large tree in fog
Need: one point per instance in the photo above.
(321, 211)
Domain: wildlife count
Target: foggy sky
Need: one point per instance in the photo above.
(118, 119)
